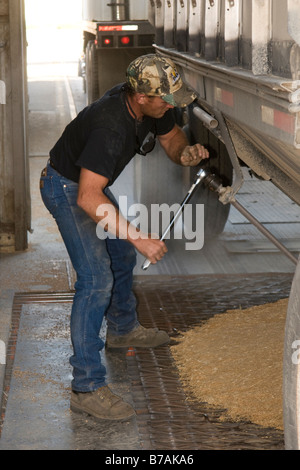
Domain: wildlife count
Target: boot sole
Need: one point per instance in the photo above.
(143, 346)
(77, 409)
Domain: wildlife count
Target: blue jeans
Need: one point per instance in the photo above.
(104, 280)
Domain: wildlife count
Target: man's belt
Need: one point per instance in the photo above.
(52, 164)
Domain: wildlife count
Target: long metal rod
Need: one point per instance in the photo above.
(264, 231)
(201, 175)
(214, 184)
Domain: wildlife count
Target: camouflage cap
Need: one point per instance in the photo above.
(155, 75)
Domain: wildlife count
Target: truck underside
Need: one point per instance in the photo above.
(266, 136)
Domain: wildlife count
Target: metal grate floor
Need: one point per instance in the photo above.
(165, 419)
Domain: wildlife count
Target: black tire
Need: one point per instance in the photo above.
(92, 88)
(291, 368)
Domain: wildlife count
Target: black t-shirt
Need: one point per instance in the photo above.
(102, 138)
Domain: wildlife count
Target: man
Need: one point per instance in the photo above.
(89, 156)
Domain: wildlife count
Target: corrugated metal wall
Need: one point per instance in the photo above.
(259, 35)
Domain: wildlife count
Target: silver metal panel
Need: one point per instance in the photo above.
(159, 22)
(2, 92)
(151, 11)
(257, 34)
(169, 23)
(182, 24)
(247, 67)
(279, 20)
(232, 31)
(212, 28)
(261, 35)
(196, 25)
(294, 19)
(231, 92)
(246, 19)
(138, 9)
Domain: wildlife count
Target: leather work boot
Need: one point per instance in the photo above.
(140, 337)
(102, 404)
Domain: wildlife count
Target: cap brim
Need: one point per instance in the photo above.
(182, 97)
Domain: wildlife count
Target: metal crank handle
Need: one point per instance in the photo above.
(201, 175)
(146, 264)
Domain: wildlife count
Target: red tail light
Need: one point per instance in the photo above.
(107, 41)
(125, 40)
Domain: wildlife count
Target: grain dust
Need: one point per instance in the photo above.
(234, 361)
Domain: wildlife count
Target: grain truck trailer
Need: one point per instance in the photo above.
(243, 59)
(114, 34)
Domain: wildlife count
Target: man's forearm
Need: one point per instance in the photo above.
(98, 206)
(175, 145)
(110, 220)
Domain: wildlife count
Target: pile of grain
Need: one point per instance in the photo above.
(234, 361)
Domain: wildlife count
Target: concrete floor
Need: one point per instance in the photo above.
(37, 415)
(45, 266)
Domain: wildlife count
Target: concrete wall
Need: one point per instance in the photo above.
(14, 187)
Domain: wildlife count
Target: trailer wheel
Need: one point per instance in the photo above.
(92, 88)
(158, 180)
(215, 213)
(291, 368)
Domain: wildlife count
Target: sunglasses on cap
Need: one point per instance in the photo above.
(147, 145)
(149, 142)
